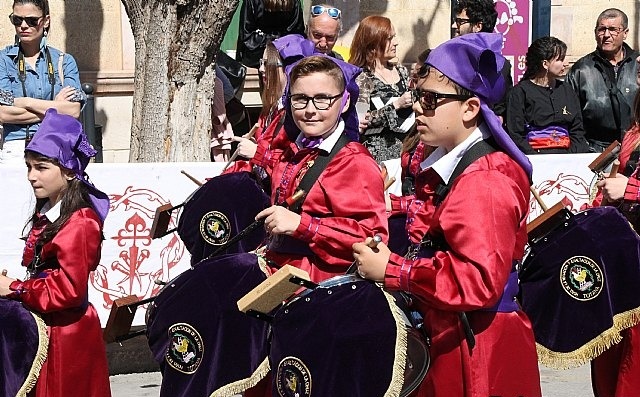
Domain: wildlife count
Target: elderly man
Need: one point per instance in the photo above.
(474, 16)
(323, 28)
(605, 81)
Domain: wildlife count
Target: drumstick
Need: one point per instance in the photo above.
(235, 154)
(538, 199)
(614, 169)
(373, 243)
(389, 182)
(4, 272)
(193, 179)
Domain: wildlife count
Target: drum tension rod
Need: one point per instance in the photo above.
(260, 316)
(303, 282)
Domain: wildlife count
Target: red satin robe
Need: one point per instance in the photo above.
(345, 206)
(483, 220)
(76, 362)
(616, 372)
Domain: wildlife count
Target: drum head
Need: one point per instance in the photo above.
(330, 341)
(197, 335)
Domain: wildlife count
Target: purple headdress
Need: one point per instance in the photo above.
(292, 48)
(61, 137)
(474, 61)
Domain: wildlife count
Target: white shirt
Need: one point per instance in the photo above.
(444, 163)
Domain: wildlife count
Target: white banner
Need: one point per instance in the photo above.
(131, 260)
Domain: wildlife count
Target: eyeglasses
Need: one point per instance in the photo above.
(262, 63)
(461, 21)
(429, 100)
(613, 31)
(321, 102)
(331, 11)
(31, 21)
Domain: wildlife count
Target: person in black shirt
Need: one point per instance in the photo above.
(543, 112)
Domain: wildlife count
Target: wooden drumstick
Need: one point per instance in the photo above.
(235, 154)
(193, 179)
(538, 198)
(389, 182)
(377, 239)
(614, 169)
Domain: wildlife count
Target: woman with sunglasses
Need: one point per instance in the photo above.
(543, 113)
(262, 21)
(33, 78)
(385, 84)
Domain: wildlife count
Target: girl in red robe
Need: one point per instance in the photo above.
(62, 248)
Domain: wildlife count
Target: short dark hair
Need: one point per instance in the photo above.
(610, 13)
(479, 11)
(543, 49)
(426, 70)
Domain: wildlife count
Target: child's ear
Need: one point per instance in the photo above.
(347, 103)
(471, 109)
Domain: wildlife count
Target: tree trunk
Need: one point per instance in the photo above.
(175, 42)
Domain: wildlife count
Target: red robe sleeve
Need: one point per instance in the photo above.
(344, 207)
(77, 250)
(483, 220)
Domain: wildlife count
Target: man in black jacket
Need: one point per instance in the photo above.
(605, 81)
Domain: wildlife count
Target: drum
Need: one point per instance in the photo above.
(219, 210)
(346, 337)
(204, 345)
(23, 347)
(578, 285)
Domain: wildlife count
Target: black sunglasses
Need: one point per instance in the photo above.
(429, 100)
(31, 21)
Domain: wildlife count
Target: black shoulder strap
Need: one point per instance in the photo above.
(319, 165)
(480, 149)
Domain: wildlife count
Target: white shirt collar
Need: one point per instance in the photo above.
(444, 163)
(329, 142)
(52, 213)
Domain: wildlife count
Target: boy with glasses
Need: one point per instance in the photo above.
(467, 224)
(323, 28)
(605, 81)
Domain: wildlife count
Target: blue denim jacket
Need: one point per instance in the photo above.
(37, 82)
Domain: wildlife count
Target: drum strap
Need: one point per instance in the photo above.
(478, 150)
(319, 165)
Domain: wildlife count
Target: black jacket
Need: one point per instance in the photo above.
(606, 97)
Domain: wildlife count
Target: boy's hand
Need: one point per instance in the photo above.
(279, 220)
(613, 188)
(5, 282)
(372, 262)
(246, 147)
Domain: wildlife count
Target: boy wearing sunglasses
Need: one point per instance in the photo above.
(323, 28)
(467, 225)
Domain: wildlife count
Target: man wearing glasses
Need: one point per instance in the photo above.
(324, 27)
(474, 16)
(605, 81)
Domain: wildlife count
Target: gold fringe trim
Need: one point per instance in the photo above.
(591, 349)
(240, 386)
(40, 358)
(400, 359)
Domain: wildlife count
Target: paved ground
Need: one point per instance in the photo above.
(569, 383)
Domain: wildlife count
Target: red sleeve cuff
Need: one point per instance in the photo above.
(18, 289)
(399, 204)
(632, 191)
(307, 228)
(262, 156)
(398, 273)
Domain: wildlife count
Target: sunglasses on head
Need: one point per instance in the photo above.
(31, 21)
(331, 11)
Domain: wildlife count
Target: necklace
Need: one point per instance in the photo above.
(380, 75)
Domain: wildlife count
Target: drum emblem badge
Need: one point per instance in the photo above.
(293, 378)
(215, 228)
(185, 348)
(581, 278)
